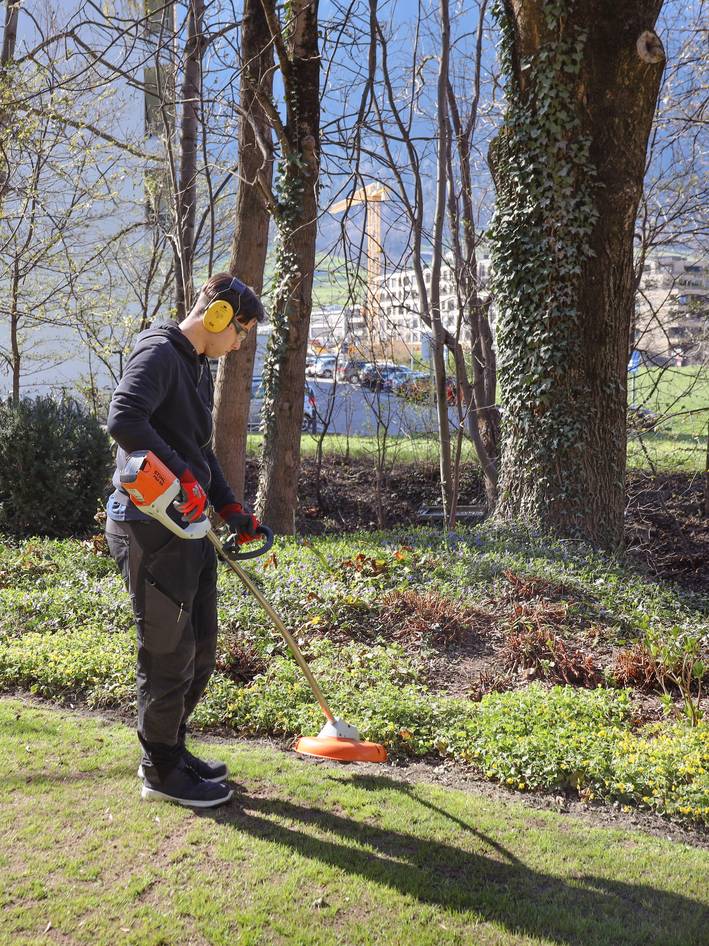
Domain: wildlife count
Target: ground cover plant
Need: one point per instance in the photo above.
(311, 854)
(498, 650)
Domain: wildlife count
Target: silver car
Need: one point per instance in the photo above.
(323, 367)
(310, 411)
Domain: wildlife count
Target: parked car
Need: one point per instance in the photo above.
(349, 370)
(416, 385)
(379, 377)
(363, 374)
(310, 408)
(324, 367)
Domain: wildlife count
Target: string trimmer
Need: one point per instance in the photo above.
(155, 490)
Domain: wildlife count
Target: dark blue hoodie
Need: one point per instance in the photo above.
(164, 403)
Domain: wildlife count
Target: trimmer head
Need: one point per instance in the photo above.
(340, 742)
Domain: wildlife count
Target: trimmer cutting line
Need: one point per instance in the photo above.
(155, 490)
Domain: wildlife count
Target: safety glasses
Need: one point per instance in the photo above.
(241, 330)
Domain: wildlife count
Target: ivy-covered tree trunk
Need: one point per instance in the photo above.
(186, 197)
(7, 54)
(248, 253)
(582, 84)
(295, 218)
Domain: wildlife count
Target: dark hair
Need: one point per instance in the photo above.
(246, 303)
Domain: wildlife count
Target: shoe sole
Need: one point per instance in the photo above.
(152, 794)
(215, 778)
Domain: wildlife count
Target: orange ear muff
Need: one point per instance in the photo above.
(217, 316)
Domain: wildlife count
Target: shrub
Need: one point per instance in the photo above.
(412, 617)
(54, 465)
(543, 652)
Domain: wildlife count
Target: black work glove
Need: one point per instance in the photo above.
(241, 521)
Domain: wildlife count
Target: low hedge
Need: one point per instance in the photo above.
(55, 463)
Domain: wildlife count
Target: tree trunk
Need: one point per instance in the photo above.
(284, 369)
(9, 39)
(706, 478)
(160, 181)
(186, 197)
(248, 252)
(583, 80)
(16, 357)
(439, 359)
(479, 395)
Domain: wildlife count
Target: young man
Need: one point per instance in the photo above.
(164, 403)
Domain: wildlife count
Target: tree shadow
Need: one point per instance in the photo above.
(578, 911)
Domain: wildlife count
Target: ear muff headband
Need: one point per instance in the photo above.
(219, 314)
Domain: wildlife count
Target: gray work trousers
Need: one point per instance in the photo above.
(172, 584)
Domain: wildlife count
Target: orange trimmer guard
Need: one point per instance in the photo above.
(341, 750)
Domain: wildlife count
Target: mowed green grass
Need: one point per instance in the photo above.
(309, 853)
(678, 396)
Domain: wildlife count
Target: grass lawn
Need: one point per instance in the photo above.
(311, 854)
(663, 451)
(679, 397)
(655, 450)
(401, 450)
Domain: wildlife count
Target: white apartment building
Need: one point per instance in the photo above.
(331, 325)
(672, 307)
(399, 302)
(397, 318)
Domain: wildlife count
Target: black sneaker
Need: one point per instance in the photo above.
(208, 770)
(183, 786)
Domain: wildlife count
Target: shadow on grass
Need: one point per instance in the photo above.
(579, 911)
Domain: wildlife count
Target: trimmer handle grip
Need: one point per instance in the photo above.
(231, 545)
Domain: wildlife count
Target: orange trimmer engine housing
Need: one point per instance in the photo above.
(146, 478)
(154, 489)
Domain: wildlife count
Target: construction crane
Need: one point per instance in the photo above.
(372, 195)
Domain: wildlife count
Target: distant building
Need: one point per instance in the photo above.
(399, 302)
(398, 317)
(331, 325)
(672, 308)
